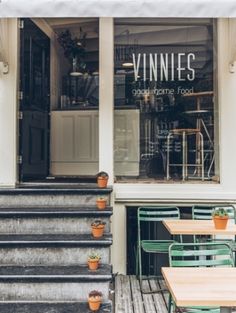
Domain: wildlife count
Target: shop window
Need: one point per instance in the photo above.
(165, 97)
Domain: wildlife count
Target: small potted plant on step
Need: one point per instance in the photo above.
(220, 218)
(101, 203)
(93, 261)
(94, 300)
(98, 228)
(102, 179)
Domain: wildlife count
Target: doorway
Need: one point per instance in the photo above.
(34, 102)
(59, 110)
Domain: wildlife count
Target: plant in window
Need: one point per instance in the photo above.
(102, 179)
(98, 228)
(74, 48)
(94, 300)
(220, 217)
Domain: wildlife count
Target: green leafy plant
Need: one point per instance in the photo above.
(94, 256)
(220, 212)
(72, 46)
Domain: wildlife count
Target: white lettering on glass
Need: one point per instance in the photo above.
(163, 66)
(190, 56)
(179, 68)
(153, 66)
(136, 66)
(144, 67)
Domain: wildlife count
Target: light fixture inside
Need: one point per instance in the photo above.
(127, 64)
(76, 74)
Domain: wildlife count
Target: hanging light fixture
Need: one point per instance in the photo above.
(127, 62)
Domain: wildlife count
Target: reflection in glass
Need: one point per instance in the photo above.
(168, 80)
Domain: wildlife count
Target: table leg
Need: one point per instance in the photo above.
(225, 310)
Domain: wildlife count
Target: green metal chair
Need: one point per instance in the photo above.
(204, 212)
(205, 254)
(151, 214)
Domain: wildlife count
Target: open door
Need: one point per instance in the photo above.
(35, 102)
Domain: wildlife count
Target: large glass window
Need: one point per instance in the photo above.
(165, 99)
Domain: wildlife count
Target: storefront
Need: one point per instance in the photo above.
(149, 100)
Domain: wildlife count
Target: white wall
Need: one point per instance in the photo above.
(8, 108)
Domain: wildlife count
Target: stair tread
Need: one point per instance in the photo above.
(53, 211)
(61, 239)
(76, 189)
(58, 273)
(55, 270)
(31, 307)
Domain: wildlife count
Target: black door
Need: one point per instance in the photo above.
(35, 102)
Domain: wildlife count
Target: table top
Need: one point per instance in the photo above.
(199, 94)
(197, 227)
(201, 286)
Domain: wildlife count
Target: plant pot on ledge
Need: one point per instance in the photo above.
(101, 203)
(102, 179)
(93, 261)
(94, 300)
(220, 218)
(98, 228)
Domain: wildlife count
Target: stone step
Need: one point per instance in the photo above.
(54, 195)
(64, 249)
(53, 211)
(59, 273)
(46, 220)
(54, 283)
(49, 307)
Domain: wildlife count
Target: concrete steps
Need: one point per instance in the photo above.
(54, 196)
(54, 249)
(48, 307)
(52, 283)
(48, 220)
(45, 240)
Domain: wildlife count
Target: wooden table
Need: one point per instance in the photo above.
(190, 286)
(197, 227)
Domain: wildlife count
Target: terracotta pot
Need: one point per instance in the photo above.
(101, 204)
(97, 231)
(220, 222)
(102, 181)
(93, 264)
(94, 303)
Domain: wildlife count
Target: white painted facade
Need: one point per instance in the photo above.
(131, 194)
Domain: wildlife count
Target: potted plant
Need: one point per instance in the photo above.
(101, 203)
(94, 300)
(220, 218)
(102, 179)
(98, 228)
(93, 261)
(74, 49)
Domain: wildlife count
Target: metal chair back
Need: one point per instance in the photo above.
(207, 254)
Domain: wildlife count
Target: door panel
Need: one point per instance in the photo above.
(35, 103)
